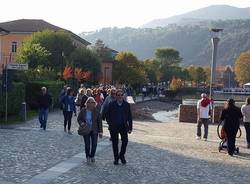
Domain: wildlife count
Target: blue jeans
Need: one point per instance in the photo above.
(43, 116)
(93, 137)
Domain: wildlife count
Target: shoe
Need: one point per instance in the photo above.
(116, 162)
(69, 132)
(205, 139)
(88, 160)
(198, 138)
(93, 159)
(123, 160)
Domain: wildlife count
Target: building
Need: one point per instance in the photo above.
(13, 34)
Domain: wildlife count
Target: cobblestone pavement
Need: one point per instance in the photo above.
(157, 153)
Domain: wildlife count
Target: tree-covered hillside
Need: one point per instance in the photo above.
(193, 42)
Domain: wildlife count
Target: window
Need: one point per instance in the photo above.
(14, 47)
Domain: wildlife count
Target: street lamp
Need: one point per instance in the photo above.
(215, 40)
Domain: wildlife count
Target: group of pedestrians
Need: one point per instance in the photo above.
(93, 106)
(231, 116)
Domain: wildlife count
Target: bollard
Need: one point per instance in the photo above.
(24, 111)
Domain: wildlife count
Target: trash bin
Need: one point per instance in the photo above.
(24, 111)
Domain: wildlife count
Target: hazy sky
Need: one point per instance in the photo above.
(88, 15)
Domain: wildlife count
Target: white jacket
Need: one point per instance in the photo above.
(245, 109)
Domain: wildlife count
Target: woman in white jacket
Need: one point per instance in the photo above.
(245, 109)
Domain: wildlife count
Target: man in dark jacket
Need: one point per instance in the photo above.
(44, 102)
(119, 119)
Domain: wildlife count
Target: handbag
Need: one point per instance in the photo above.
(84, 129)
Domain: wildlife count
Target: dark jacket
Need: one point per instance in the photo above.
(69, 101)
(44, 101)
(96, 120)
(83, 101)
(113, 113)
(231, 118)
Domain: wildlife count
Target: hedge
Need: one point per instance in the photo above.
(15, 98)
(33, 90)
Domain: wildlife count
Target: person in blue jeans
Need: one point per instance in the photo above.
(44, 102)
(69, 106)
(92, 116)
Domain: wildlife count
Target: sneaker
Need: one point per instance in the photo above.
(88, 160)
(123, 160)
(205, 139)
(69, 132)
(198, 138)
(93, 159)
(116, 162)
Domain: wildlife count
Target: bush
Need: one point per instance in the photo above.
(33, 90)
(15, 98)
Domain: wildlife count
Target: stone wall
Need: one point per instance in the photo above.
(188, 113)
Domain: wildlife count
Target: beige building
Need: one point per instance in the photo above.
(13, 33)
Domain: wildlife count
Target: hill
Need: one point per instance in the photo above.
(215, 12)
(193, 42)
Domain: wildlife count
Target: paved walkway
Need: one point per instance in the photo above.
(157, 153)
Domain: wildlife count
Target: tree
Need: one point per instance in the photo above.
(56, 43)
(86, 60)
(128, 70)
(200, 75)
(168, 56)
(33, 54)
(152, 69)
(242, 68)
(169, 60)
(175, 83)
(102, 50)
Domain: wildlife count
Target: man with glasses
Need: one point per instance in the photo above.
(119, 118)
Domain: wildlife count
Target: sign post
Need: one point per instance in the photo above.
(11, 67)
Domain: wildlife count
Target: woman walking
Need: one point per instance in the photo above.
(92, 117)
(245, 109)
(231, 116)
(68, 103)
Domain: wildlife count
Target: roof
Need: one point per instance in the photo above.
(34, 25)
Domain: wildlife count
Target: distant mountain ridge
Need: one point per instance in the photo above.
(193, 42)
(214, 12)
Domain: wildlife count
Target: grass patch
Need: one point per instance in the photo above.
(16, 119)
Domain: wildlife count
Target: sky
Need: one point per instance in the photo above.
(90, 15)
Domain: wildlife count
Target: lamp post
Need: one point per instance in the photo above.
(215, 40)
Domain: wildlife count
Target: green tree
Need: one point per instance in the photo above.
(152, 69)
(242, 68)
(87, 60)
(200, 75)
(128, 70)
(58, 44)
(33, 54)
(169, 60)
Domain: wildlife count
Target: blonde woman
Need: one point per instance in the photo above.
(91, 115)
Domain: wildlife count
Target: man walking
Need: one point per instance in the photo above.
(44, 102)
(203, 115)
(119, 119)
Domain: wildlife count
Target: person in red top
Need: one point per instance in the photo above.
(203, 115)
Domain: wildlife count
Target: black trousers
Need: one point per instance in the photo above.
(93, 138)
(231, 137)
(115, 141)
(247, 127)
(67, 119)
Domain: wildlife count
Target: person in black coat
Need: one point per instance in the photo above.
(119, 119)
(44, 102)
(231, 116)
